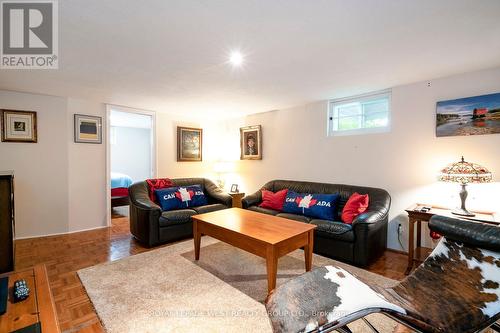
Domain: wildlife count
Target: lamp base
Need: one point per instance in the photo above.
(462, 212)
(221, 183)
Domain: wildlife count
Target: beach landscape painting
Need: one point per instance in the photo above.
(468, 116)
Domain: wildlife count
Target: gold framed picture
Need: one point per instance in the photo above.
(88, 129)
(251, 142)
(19, 126)
(189, 144)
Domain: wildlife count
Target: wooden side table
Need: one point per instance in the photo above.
(237, 196)
(419, 253)
(37, 308)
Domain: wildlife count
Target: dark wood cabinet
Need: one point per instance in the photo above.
(6, 221)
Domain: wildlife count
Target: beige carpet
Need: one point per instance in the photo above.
(165, 290)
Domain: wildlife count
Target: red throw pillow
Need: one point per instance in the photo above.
(156, 184)
(273, 200)
(357, 204)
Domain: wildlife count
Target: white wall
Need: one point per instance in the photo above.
(131, 152)
(166, 129)
(405, 161)
(41, 177)
(86, 172)
(60, 185)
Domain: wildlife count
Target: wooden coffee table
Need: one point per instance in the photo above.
(267, 236)
(37, 309)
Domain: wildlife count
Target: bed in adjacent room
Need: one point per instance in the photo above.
(119, 189)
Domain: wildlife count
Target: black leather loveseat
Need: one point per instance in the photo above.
(151, 226)
(358, 244)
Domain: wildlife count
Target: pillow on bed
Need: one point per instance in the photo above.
(181, 197)
(156, 184)
(120, 180)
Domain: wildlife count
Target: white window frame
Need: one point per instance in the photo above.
(357, 99)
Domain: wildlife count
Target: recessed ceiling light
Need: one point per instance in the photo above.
(236, 58)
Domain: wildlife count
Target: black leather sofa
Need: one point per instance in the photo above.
(358, 244)
(150, 226)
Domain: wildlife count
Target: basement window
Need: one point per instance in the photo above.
(364, 114)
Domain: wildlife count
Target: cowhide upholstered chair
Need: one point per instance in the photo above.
(456, 289)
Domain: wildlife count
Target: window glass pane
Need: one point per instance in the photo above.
(349, 110)
(376, 120)
(359, 113)
(348, 123)
(375, 106)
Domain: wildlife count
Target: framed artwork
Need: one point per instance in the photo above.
(88, 129)
(234, 188)
(19, 126)
(189, 144)
(251, 142)
(468, 116)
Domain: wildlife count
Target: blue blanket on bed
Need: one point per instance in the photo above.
(120, 180)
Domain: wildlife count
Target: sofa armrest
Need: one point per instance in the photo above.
(370, 232)
(218, 194)
(367, 223)
(144, 215)
(368, 217)
(252, 199)
(145, 204)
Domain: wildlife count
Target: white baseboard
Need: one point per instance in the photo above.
(61, 233)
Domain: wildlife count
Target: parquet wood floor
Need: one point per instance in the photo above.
(64, 255)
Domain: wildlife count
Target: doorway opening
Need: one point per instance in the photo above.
(131, 154)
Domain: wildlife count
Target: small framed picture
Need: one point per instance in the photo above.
(88, 129)
(19, 126)
(251, 142)
(234, 188)
(189, 144)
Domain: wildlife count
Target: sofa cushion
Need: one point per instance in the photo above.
(181, 197)
(357, 204)
(263, 210)
(300, 218)
(178, 216)
(321, 206)
(209, 208)
(334, 230)
(273, 200)
(156, 184)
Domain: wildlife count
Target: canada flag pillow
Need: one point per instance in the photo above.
(357, 204)
(273, 200)
(181, 197)
(321, 206)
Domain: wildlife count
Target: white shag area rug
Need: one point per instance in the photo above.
(166, 290)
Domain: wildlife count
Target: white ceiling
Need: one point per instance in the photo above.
(170, 55)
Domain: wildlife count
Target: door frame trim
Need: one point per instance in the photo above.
(154, 148)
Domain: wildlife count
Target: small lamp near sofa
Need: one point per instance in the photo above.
(463, 172)
(222, 168)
